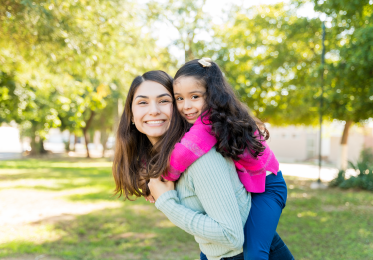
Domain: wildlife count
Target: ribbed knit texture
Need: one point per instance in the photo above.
(210, 203)
(199, 140)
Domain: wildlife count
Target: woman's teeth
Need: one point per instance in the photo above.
(155, 122)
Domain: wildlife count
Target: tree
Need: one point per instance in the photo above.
(189, 19)
(350, 93)
(271, 57)
(70, 51)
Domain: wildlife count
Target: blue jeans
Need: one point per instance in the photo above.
(278, 251)
(261, 239)
(261, 225)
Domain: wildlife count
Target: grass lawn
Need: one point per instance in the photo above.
(327, 224)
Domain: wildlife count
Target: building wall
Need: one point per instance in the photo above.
(291, 144)
(297, 144)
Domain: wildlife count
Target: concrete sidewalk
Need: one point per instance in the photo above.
(311, 171)
(10, 156)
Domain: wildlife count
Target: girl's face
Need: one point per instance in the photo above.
(152, 110)
(189, 95)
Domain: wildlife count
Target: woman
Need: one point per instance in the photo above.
(210, 203)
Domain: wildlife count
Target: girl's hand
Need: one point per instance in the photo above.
(158, 187)
(150, 199)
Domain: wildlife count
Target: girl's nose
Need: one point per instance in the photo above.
(187, 104)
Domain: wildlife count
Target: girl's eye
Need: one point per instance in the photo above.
(179, 98)
(195, 96)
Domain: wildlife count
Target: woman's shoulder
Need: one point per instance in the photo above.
(211, 160)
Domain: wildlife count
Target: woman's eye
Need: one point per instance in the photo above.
(142, 103)
(165, 101)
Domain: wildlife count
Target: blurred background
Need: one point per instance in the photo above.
(66, 67)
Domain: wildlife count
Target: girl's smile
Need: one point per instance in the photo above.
(189, 95)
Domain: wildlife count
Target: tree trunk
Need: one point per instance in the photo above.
(41, 146)
(75, 142)
(104, 138)
(33, 144)
(344, 150)
(85, 131)
(116, 115)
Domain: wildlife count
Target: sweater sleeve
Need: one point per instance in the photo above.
(195, 143)
(221, 224)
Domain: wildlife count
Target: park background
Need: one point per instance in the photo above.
(66, 66)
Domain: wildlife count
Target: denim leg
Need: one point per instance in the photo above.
(279, 250)
(203, 256)
(261, 225)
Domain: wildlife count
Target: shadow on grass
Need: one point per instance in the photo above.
(134, 231)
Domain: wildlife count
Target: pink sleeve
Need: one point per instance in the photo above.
(192, 146)
(252, 171)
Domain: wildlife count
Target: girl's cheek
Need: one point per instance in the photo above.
(180, 107)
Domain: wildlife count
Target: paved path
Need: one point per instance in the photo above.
(10, 156)
(308, 171)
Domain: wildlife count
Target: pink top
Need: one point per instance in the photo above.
(199, 140)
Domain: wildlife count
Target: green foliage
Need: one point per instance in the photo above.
(364, 170)
(189, 19)
(62, 60)
(271, 57)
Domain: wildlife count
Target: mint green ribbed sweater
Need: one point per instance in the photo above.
(210, 203)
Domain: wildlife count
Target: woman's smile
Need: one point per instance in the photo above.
(155, 123)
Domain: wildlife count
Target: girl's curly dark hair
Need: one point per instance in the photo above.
(232, 124)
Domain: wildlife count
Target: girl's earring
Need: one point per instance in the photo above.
(133, 123)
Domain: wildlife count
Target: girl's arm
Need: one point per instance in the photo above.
(195, 143)
(222, 223)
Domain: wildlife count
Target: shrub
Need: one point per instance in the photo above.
(364, 170)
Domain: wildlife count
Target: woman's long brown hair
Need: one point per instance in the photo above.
(134, 154)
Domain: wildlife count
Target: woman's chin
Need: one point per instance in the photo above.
(155, 135)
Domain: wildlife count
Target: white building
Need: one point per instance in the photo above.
(299, 144)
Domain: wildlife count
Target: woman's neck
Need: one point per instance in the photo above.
(153, 139)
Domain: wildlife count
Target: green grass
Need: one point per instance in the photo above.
(326, 224)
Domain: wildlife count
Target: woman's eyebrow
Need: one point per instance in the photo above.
(140, 96)
(165, 94)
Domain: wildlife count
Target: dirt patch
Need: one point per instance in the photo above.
(21, 206)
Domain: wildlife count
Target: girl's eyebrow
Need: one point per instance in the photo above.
(161, 95)
(195, 91)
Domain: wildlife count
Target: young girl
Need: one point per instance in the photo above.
(219, 119)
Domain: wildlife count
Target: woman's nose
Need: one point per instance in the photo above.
(154, 109)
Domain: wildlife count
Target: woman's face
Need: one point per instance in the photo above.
(152, 110)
